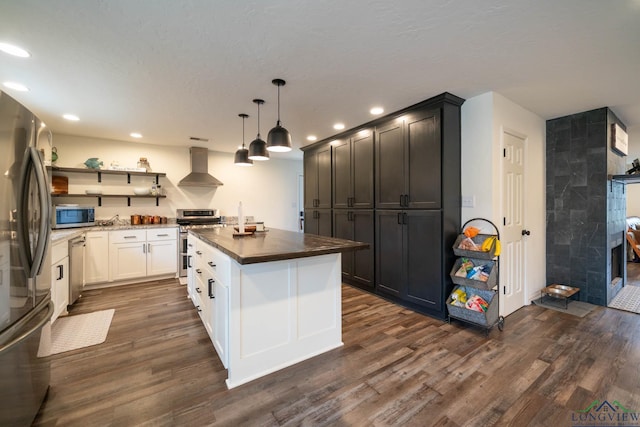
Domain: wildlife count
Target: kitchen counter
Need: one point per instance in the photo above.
(70, 233)
(273, 245)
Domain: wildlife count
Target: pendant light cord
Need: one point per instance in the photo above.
(243, 132)
(278, 105)
(258, 120)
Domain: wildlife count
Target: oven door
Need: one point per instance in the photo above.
(182, 257)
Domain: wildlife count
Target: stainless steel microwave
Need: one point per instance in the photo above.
(69, 216)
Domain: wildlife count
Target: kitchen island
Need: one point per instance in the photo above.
(268, 300)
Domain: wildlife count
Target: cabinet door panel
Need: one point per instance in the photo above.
(325, 222)
(390, 176)
(424, 182)
(162, 257)
(424, 258)
(310, 222)
(128, 260)
(343, 229)
(324, 177)
(310, 179)
(389, 257)
(363, 260)
(362, 170)
(96, 259)
(341, 174)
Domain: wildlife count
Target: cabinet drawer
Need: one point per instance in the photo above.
(162, 234)
(59, 251)
(127, 236)
(219, 264)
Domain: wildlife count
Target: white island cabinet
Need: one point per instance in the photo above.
(272, 299)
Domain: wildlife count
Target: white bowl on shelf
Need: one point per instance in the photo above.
(93, 191)
(140, 191)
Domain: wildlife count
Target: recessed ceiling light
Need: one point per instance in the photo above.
(16, 86)
(338, 126)
(135, 135)
(71, 117)
(14, 50)
(312, 138)
(376, 110)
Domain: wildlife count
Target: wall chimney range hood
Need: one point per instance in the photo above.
(199, 176)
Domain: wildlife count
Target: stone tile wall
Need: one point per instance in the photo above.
(585, 210)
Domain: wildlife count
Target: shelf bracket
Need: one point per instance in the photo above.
(128, 201)
(128, 178)
(99, 201)
(157, 201)
(99, 176)
(157, 180)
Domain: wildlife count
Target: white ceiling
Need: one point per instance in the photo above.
(176, 69)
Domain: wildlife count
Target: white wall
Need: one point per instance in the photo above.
(484, 118)
(633, 190)
(268, 190)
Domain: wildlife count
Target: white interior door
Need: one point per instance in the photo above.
(512, 265)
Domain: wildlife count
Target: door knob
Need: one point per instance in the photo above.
(526, 232)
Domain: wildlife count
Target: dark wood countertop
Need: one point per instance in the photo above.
(273, 245)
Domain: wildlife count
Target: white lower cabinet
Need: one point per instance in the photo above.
(207, 282)
(96, 257)
(60, 278)
(142, 253)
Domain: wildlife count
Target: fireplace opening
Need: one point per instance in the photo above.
(616, 264)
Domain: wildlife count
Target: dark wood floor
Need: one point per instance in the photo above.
(158, 367)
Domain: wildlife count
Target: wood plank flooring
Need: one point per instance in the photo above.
(158, 368)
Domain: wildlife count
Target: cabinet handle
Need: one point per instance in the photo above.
(198, 308)
(404, 218)
(211, 264)
(210, 283)
(163, 235)
(129, 237)
(190, 245)
(198, 290)
(399, 218)
(60, 272)
(198, 253)
(198, 271)
(189, 261)
(406, 200)
(144, 248)
(149, 247)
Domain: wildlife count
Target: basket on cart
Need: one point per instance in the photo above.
(489, 284)
(478, 240)
(487, 318)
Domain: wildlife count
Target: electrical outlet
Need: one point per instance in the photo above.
(468, 201)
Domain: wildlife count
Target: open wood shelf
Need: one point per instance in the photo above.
(100, 172)
(101, 196)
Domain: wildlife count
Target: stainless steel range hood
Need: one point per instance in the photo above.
(199, 176)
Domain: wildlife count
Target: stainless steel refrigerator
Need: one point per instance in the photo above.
(25, 263)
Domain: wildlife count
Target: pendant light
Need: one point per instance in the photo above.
(258, 148)
(279, 139)
(242, 155)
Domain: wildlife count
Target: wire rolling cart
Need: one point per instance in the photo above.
(488, 290)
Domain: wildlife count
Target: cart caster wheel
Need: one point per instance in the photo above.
(501, 323)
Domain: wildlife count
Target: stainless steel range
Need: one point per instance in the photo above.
(191, 219)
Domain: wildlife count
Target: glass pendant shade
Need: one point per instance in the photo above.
(241, 157)
(279, 139)
(258, 148)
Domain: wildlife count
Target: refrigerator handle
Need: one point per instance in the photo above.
(45, 319)
(44, 197)
(22, 220)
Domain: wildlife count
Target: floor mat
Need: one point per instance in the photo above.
(74, 332)
(576, 308)
(628, 299)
